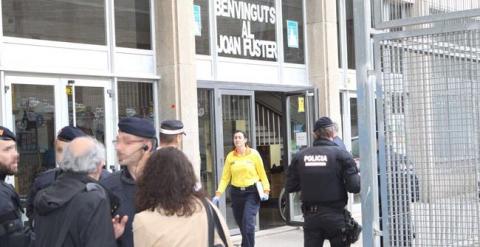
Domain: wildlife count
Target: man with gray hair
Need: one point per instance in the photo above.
(74, 210)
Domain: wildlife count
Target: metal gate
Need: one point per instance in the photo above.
(426, 66)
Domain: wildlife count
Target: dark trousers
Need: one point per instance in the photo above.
(324, 224)
(245, 205)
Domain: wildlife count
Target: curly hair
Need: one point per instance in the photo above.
(168, 184)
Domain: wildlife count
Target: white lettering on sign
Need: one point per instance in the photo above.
(315, 158)
(246, 45)
(245, 11)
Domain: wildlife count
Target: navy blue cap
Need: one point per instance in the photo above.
(68, 133)
(137, 127)
(171, 127)
(6, 134)
(323, 122)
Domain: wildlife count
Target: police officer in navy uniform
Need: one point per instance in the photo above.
(135, 141)
(324, 174)
(171, 133)
(46, 178)
(12, 231)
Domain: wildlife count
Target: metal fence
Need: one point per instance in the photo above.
(427, 71)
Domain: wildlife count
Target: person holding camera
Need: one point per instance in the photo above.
(324, 174)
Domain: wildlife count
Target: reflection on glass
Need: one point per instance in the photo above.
(298, 124)
(292, 14)
(135, 99)
(132, 24)
(298, 140)
(236, 115)
(67, 21)
(202, 27)
(207, 141)
(354, 127)
(90, 111)
(33, 110)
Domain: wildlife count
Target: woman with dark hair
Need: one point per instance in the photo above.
(171, 212)
(243, 169)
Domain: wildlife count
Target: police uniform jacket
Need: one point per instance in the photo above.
(78, 204)
(323, 173)
(122, 185)
(12, 232)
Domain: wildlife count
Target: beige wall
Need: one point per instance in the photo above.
(175, 47)
(323, 55)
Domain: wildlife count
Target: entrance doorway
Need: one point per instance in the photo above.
(38, 107)
(277, 124)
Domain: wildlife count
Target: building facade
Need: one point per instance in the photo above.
(268, 67)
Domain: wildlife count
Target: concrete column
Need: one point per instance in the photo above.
(323, 55)
(175, 48)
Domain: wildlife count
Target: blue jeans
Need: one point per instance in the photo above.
(245, 205)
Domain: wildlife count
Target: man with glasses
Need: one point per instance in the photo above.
(135, 141)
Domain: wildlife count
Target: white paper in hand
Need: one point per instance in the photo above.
(260, 191)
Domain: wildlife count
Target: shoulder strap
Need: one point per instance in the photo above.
(219, 227)
(206, 205)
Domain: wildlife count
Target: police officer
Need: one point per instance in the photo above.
(46, 178)
(135, 141)
(324, 174)
(171, 133)
(12, 231)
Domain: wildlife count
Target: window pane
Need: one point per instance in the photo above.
(293, 41)
(247, 30)
(208, 171)
(350, 35)
(81, 21)
(202, 27)
(33, 109)
(90, 111)
(132, 24)
(135, 99)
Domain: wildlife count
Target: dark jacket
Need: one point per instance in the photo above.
(42, 181)
(12, 231)
(123, 186)
(74, 201)
(323, 173)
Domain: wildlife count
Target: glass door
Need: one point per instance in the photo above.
(234, 111)
(299, 116)
(38, 107)
(32, 113)
(89, 106)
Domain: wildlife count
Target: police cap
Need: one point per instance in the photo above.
(6, 134)
(323, 122)
(137, 126)
(172, 127)
(68, 133)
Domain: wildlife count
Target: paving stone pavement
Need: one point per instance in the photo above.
(288, 236)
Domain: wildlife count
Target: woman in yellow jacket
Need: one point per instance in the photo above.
(243, 168)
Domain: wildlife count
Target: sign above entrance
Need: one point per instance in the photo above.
(247, 29)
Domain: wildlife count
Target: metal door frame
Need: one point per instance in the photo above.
(60, 98)
(219, 142)
(310, 99)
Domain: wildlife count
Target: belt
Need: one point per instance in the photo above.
(314, 209)
(251, 187)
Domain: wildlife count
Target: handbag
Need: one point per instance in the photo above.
(213, 224)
